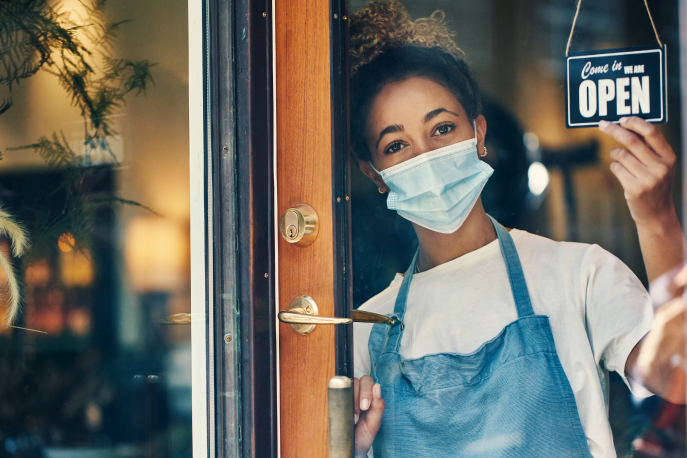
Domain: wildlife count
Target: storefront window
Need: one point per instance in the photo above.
(548, 180)
(94, 134)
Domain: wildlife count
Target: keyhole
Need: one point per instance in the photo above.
(292, 231)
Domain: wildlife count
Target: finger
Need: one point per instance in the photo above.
(366, 384)
(669, 311)
(677, 284)
(631, 140)
(681, 277)
(653, 137)
(668, 286)
(647, 178)
(373, 418)
(629, 161)
(627, 180)
(356, 397)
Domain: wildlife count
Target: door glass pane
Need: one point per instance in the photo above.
(94, 169)
(462, 375)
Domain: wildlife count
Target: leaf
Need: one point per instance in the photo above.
(17, 235)
(77, 50)
(56, 154)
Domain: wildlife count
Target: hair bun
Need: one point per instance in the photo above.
(381, 25)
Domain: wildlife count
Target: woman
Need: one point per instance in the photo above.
(502, 341)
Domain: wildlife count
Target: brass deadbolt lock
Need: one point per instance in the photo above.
(299, 225)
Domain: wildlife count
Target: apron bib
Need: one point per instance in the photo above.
(509, 398)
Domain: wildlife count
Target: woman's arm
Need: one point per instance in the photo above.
(645, 169)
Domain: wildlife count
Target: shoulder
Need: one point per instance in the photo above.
(588, 266)
(545, 249)
(383, 303)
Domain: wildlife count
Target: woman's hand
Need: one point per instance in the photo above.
(369, 407)
(658, 361)
(645, 169)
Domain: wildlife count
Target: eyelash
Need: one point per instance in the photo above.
(387, 150)
(447, 124)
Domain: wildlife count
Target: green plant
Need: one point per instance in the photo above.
(77, 50)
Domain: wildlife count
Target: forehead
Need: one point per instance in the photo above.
(412, 98)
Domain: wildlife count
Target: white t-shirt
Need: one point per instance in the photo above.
(597, 308)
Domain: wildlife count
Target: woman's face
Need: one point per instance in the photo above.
(412, 117)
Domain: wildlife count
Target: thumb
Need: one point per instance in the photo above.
(369, 425)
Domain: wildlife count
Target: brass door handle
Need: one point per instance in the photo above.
(303, 316)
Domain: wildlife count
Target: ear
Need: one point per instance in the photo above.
(481, 123)
(367, 169)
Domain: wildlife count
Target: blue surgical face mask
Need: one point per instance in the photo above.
(437, 190)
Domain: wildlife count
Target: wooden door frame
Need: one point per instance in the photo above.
(310, 71)
(240, 226)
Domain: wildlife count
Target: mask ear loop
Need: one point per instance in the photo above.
(381, 191)
(474, 124)
(373, 168)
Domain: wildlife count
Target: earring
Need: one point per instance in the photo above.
(485, 152)
(381, 191)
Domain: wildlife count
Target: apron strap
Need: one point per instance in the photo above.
(515, 275)
(396, 332)
(514, 268)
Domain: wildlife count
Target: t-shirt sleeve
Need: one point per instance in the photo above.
(618, 309)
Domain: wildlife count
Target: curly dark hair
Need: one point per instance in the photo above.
(386, 46)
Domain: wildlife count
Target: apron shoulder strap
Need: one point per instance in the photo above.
(395, 333)
(515, 275)
(402, 297)
(514, 268)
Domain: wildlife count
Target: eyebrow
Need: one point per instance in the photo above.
(434, 113)
(389, 130)
(399, 128)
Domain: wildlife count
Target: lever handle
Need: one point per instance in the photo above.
(303, 316)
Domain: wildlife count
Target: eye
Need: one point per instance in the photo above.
(444, 129)
(394, 148)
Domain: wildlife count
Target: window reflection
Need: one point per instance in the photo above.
(108, 261)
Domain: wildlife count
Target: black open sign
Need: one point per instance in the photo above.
(613, 83)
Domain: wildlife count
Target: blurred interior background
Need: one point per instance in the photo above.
(109, 379)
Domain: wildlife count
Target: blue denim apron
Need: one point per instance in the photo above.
(509, 398)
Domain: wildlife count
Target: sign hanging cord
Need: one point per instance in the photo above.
(577, 12)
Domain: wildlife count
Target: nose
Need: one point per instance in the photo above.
(421, 146)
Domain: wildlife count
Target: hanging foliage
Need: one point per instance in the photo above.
(76, 48)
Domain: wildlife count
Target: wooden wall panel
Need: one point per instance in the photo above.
(304, 174)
